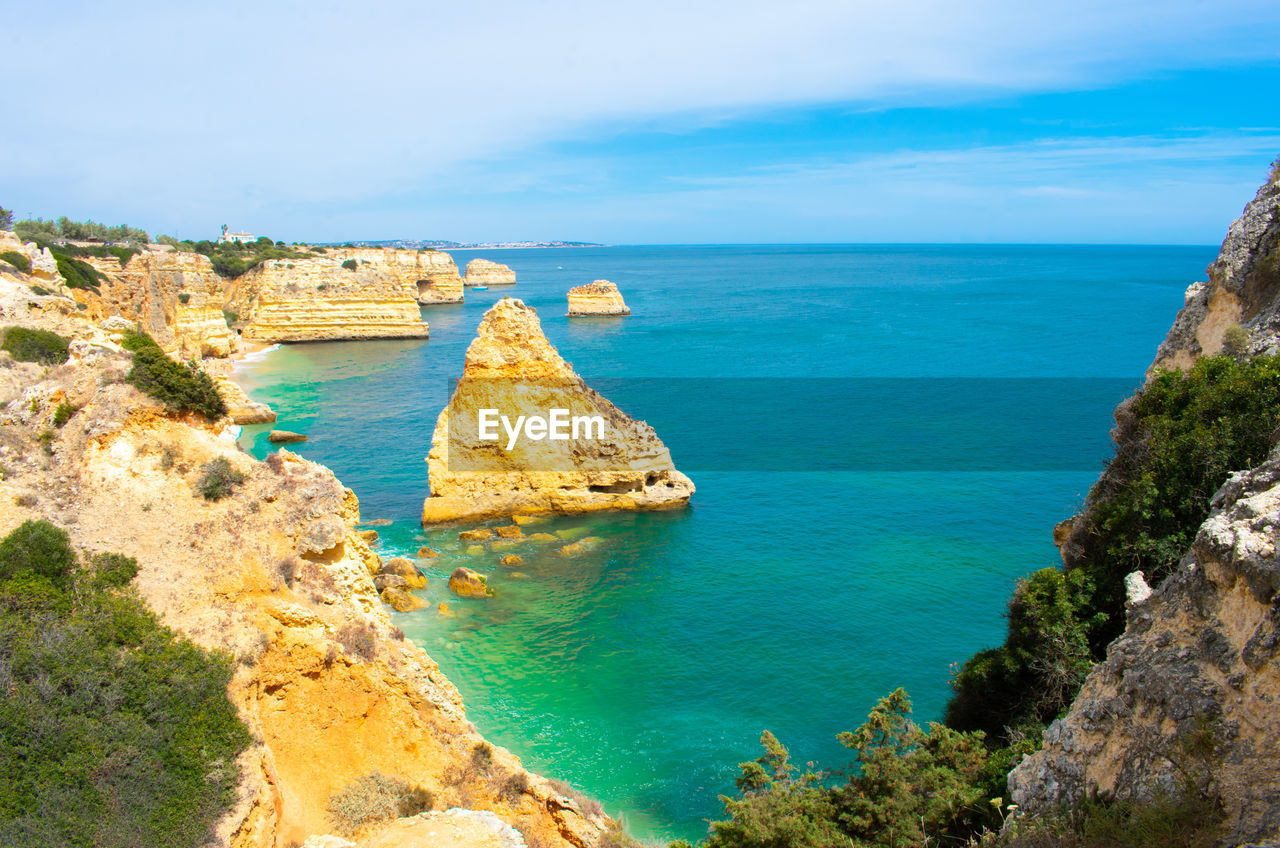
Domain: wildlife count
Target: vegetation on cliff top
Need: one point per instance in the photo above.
(29, 345)
(17, 260)
(182, 387)
(39, 230)
(113, 730)
(231, 259)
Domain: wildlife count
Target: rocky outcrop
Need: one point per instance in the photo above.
(1188, 691)
(440, 282)
(615, 463)
(276, 576)
(341, 294)
(482, 272)
(1199, 655)
(44, 268)
(176, 297)
(1243, 291)
(240, 407)
(598, 298)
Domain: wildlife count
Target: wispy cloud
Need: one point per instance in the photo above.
(254, 112)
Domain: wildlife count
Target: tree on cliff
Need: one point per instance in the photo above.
(6, 218)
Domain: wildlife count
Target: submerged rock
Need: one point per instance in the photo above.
(426, 553)
(606, 459)
(402, 600)
(480, 534)
(512, 560)
(469, 584)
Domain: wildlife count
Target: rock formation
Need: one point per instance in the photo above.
(276, 576)
(482, 272)
(598, 298)
(1189, 689)
(440, 281)
(511, 367)
(44, 268)
(1203, 647)
(374, 295)
(1243, 291)
(176, 297)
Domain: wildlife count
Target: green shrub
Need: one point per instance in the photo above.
(113, 730)
(17, 260)
(79, 275)
(62, 413)
(218, 479)
(44, 292)
(6, 218)
(28, 345)
(230, 317)
(180, 387)
(374, 798)
(905, 787)
(184, 297)
(350, 264)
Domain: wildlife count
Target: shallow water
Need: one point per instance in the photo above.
(790, 598)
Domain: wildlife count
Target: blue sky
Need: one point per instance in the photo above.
(661, 122)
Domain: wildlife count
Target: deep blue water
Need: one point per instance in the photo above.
(811, 575)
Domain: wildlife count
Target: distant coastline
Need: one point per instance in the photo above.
(418, 244)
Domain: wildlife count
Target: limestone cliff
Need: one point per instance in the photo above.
(275, 575)
(355, 293)
(44, 268)
(175, 296)
(1196, 667)
(482, 272)
(597, 298)
(512, 368)
(440, 282)
(1243, 289)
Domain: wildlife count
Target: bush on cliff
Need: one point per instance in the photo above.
(906, 786)
(1179, 439)
(180, 387)
(79, 275)
(376, 797)
(27, 345)
(350, 265)
(218, 479)
(114, 731)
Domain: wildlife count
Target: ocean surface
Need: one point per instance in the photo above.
(882, 438)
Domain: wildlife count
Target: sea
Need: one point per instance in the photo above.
(882, 439)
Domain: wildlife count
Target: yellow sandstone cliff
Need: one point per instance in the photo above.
(274, 575)
(512, 368)
(354, 293)
(482, 272)
(176, 297)
(597, 298)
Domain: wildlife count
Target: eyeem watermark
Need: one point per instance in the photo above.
(558, 426)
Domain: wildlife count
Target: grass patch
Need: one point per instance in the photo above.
(374, 798)
(17, 260)
(27, 345)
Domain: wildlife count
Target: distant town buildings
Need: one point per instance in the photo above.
(242, 238)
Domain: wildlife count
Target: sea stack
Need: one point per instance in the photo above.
(597, 298)
(482, 272)
(482, 469)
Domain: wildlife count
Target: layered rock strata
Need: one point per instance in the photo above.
(597, 298)
(342, 294)
(482, 272)
(512, 370)
(175, 297)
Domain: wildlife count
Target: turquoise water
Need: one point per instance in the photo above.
(788, 599)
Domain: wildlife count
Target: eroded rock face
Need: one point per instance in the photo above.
(597, 298)
(44, 267)
(375, 295)
(1243, 289)
(482, 272)
(175, 296)
(1202, 647)
(512, 368)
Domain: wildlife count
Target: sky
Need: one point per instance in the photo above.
(643, 123)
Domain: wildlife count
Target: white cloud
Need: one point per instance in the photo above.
(245, 110)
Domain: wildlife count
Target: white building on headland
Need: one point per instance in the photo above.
(242, 238)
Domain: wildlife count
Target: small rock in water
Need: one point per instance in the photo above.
(511, 531)
(426, 553)
(512, 560)
(477, 535)
(469, 584)
(378, 522)
(285, 436)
